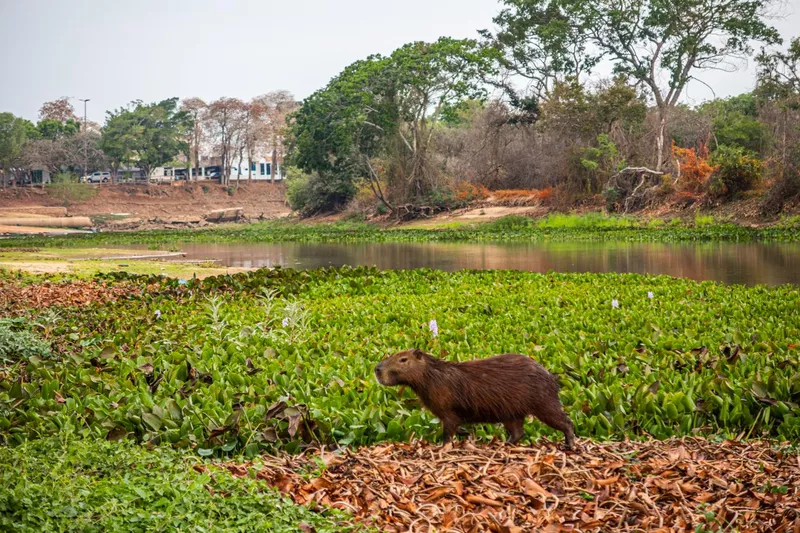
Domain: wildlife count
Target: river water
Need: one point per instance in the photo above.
(748, 263)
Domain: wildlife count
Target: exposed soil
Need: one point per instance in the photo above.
(179, 201)
(675, 485)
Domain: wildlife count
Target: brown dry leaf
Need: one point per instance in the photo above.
(490, 488)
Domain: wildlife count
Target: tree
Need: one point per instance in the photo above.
(275, 107)
(195, 109)
(646, 39)
(376, 119)
(52, 129)
(224, 120)
(779, 73)
(146, 135)
(735, 122)
(58, 110)
(13, 132)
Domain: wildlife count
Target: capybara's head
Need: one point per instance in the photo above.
(403, 368)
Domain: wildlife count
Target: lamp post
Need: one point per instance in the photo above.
(85, 141)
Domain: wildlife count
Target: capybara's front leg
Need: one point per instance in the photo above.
(515, 428)
(449, 428)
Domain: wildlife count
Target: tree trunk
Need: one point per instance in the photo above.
(274, 165)
(662, 127)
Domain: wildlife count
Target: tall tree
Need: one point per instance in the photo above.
(647, 40)
(275, 107)
(13, 132)
(195, 109)
(59, 110)
(146, 135)
(388, 107)
(224, 122)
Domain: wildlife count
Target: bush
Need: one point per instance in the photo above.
(786, 187)
(695, 169)
(316, 193)
(18, 343)
(66, 188)
(736, 171)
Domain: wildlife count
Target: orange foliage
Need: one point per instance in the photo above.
(695, 168)
(468, 192)
(530, 195)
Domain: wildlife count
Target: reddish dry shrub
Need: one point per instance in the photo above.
(467, 192)
(524, 196)
(694, 167)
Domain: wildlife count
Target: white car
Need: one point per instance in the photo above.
(98, 177)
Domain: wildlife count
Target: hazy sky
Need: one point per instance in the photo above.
(115, 51)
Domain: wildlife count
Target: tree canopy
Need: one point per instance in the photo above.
(647, 40)
(146, 135)
(382, 105)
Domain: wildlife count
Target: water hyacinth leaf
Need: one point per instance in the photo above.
(153, 421)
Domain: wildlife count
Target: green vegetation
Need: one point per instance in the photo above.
(282, 358)
(589, 227)
(93, 485)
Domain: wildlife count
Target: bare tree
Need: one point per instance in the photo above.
(223, 119)
(196, 109)
(60, 110)
(276, 106)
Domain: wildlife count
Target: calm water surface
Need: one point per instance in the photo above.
(750, 263)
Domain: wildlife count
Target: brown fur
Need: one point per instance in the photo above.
(505, 388)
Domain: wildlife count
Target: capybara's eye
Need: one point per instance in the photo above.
(404, 359)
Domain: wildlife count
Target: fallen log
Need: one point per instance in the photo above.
(34, 210)
(230, 214)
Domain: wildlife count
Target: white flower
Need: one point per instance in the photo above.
(650, 295)
(615, 304)
(285, 322)
(434, 327)
(158, 313)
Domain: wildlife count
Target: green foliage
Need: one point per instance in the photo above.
(146, 135)
(736, 171)
(385, 107)
(13, 132)
(66, 188)
(52, 129)
(318, 193)
(19, 343)
(703, 221)
(598, 163)
(735, 123)
(94, 485)
(589, 227)
(281, 358)
(587, 221)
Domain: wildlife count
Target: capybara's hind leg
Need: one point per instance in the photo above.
(560, 421)
(515, 428)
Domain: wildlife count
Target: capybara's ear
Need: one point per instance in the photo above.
(417, 353)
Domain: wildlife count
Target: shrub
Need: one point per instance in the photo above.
(695, 169)
(66, 188)
(316, 193)
(468, 192)
(786, 187)
(735, 171)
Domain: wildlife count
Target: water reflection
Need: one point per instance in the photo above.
(750, 263)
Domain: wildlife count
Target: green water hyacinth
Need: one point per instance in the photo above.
(220, 373)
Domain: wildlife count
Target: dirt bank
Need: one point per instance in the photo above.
(176, 201)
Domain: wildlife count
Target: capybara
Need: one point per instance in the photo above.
(504, 388)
